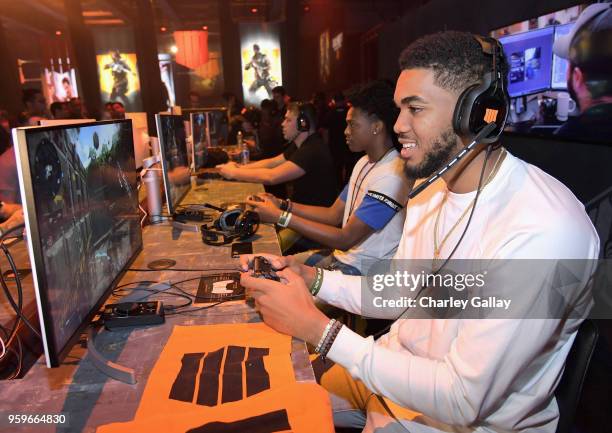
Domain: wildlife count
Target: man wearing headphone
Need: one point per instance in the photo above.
(588, 47)
(306, 166)
(448, 374)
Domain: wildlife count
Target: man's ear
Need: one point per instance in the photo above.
(378, 127)
(578, 79)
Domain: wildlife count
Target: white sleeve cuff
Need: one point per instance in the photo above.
(349, 348)
(342, 291)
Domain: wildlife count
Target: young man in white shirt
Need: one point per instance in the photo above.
(365, 222)
(443, 375)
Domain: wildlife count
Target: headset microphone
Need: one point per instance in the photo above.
(489, 127)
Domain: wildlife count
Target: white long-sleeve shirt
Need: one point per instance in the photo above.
(475, 374)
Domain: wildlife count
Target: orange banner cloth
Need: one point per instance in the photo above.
(228, 378)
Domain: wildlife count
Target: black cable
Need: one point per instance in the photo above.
(416, 296)
(18, 354)
(19, 306)
(206, 307)
(165, 292)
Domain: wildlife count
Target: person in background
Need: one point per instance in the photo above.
(35, 106)
(588, 48)
(5, 122)
(305, 166)
(9, 180)
(59, 110)
(194, 99)
(271, 141)
(319, 100)
(118, 110)
(364, 225)
(107, 111)
(76, 109)
(279, 95)
(333, 128)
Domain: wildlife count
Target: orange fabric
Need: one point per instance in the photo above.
(307, 404)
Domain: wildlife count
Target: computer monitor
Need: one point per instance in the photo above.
(174, 160)
(200, 136)
(560, 65)
(78, 189)
(217, 123)
(529, 56)
(140, 132)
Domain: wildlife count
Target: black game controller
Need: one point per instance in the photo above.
(263, 269)
(256, 198)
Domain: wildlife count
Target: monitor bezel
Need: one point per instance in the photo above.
(191, 123)
(53, 355)
(162, 154)
(552, 66)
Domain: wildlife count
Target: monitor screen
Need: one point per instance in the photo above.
(559, 65)
(174, 160)
(529, 56)
(201, 138)
(78, 185)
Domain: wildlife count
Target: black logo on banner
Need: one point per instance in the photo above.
(266, 423)
(222, 370)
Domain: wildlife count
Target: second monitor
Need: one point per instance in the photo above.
(174, 160)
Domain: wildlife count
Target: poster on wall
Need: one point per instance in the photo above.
(118, 74)
(59, 86)
(261, 61)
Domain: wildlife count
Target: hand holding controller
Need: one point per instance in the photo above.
(263, 269)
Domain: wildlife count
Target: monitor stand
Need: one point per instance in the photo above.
(106, 366)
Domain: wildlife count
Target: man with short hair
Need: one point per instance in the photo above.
(460, 373)
(59, 110)
(305, 163)
(279, 95)
(588, 47)
(35, 105)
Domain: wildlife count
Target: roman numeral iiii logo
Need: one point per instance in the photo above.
(229, 374)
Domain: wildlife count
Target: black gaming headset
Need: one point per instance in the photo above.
(485, 102)
(303, 120)
(233, 223)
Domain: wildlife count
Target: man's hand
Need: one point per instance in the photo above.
(277, 262)
(14, 212)
(228, 171)
(307, 273)
(270, 197)
(268, 212)
(287, 306)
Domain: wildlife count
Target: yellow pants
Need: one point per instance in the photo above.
(355, 406)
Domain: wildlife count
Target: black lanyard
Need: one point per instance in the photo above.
(358, 187)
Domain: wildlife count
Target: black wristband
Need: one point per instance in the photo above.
(284, 205)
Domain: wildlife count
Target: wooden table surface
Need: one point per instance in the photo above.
(88, 397)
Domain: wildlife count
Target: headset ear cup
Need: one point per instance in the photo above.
(248, 224)
(463, 110)
(228, 219)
